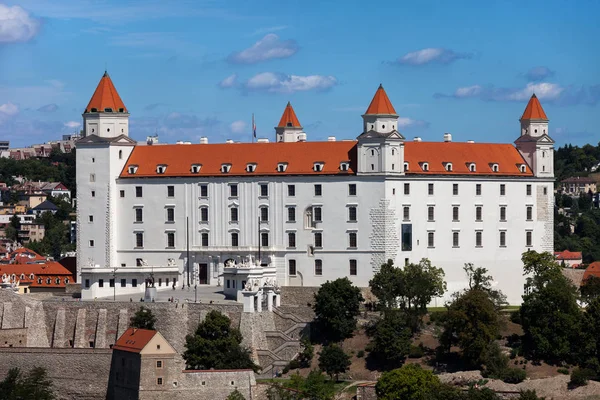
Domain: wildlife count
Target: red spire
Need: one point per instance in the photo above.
(106, 96)
(534, 109)
(289, 119)
(381, 103)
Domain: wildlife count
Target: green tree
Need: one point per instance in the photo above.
(216, 344)
(316, 387)
(336, 308)
(12, 230)
(385, 284)
(529, 395)
(235, 395)
(589, 343)
(143, 319)
(391, 340)
(550, 315)
(334, 361)
(410, 382)
(34, 385)
(479, 280)
(306, 355)
(590, 289)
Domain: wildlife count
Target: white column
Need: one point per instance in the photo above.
(270, 299)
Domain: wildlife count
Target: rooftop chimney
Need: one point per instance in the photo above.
(203, 140)
(470, 141)
(447, 137)
(229, 141)
(331, 139)
(262, 140)
(417, 139)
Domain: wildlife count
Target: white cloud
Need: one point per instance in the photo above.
(16, 25)
(280, 83)
(228, 82)
(267, 48)
(72, 124)
(262, 31)
(432, 55)
(550, 92)
(543, 90)
(9, 109)
(468, 91)
(238, 127)
(407, 123)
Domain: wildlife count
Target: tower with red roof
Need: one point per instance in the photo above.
(106, 114)
(535, 144)
(289, 128)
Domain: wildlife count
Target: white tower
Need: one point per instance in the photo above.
(289, 128)
(534, 144)
(106, 115)
(380, 146)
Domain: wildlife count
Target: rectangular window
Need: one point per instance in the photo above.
(352, 189)
(430, 213)
(502, 213)
(111, 281)
(406, 237)
(529, 213)
(353, 267)
(170, 214)
(234, 214)
(430, 189)
(529, 238)
(264, 189)
(204, 238)
(455, 189)
(170, 239)
(122, 193)
(87, 283)
(478, 239)
(291, 214)
(234, 239)
(91, 218)
(528, 190)
(478, 213)
(264, 239)
(407, 188)
(159, 364)
(292, 239)
(134, 282)
(318, 190)
(352, 240)
(170, 191)
(92, 177)
(406, 213)
(455, 242)
(502, 189)
(478, 189)
(159, 381)
(228, 284)
(292, 267)
(455, 216)
(204, 214)
(139, 239)
(203, 190)
(233, 190)
(318, 215)
(264, 214)
(100, 282)
(139, 217)
(318, 267)
(91, 243)
(502, 239)
(123, 282)
(430, 239)
(93, 193)
(318, 239)
(352, 214)
(291, 190)
(138, 191)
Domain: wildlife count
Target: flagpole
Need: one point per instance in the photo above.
(252, 128)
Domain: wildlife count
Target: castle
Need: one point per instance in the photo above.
(313, 211)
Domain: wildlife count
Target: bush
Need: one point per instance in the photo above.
(360, 354)
(515, 317)
(513, 353)
(580, 377)
(529, 395)
(416, 352)
(514, 375)
(564, 371)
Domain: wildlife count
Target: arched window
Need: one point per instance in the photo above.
(120, 154)
(372, 152)
(393, 152)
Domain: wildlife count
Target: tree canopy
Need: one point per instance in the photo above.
(391, 340)
(336, 307)
(34, 385)
(410, 382)
(333, 360)
(143, 319)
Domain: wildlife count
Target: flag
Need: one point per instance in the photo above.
(253, 127)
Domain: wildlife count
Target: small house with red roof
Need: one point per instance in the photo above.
(592, 270)
(568, 258)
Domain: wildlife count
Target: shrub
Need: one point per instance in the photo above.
(360, 354)
(513, 353)
(515, 317)
(529, 395)
(416, 352)
(564, 371)
(580, 377)
(513, 375)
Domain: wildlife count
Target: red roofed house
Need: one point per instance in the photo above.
(569, 258)
(592, 270)
(314, 210)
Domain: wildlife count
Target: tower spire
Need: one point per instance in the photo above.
(289, 128)
(534, 110)
(381, 103)
(289, 119)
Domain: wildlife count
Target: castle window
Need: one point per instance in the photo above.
(159, 364)
(250, 167)
(529, 213)
(132, 169)
(344, 166)
(92, 177)
(318, 267)
(108, 109)
(535, 131)
(161, 169)
(94, 110)
(494, 167)
(425, 166)
(196, 168)
(472, 167)
(281, 167)
(352, 189)
(318, 166)
(449, 167)
(120, 154)
(478, 239)
(234, 239)
(121, 110)
(352, 241)
(382, 126)
(372, 151)
(159, 381)
(523, 168)
(204, 214)
(233, 214)
(455, 213)
(291, 240)
(393, 152)
(225, 168)
(406, 166)
(528, 238)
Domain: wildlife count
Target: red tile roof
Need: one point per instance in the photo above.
(568, 255)
(301, 156)
(534, 110)
(381, 103)
(106, 96)
(592, 270)
(134, 340)
(289, 118)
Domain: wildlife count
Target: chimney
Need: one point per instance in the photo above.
(331, 139)
(229, 141)
(470, 141)
(203, 140)
(417, 139)
(262, 140)
(447, 137)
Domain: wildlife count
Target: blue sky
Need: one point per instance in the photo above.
(187, 69)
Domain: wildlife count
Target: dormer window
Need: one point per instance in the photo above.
(196, 168)
(523, 168)
(108, 110)
(472, 167)
(132, 169)
(281, 167)
(94, 110)
(318, 166)
(250, 167)
(344, 166)
(225, 168)
(425, 166)
(406, 166)
(161, 169)
(121, 110)
(448, 166)
(494, 167)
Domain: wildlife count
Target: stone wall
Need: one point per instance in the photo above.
(298, 295)
(366, 392)
(16, 337)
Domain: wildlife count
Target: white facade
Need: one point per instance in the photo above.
(130, 227)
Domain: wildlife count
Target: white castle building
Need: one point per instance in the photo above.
(315, 211)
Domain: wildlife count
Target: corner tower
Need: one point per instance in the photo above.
(534, 144)
(380, 145)
(289, 128)
(106, 115)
